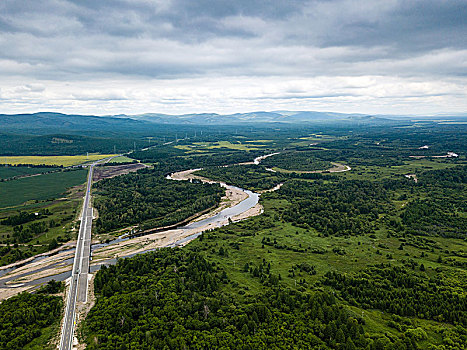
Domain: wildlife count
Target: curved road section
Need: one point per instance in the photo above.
(79, 276)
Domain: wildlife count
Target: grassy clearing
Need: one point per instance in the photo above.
(410, 167)
(190, 148)
(314, 138)
(318, 137)
(54, 160)
(238, 146)
(39, 188)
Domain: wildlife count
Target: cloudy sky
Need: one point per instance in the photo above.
(182, 56)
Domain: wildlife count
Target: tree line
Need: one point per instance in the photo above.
(149, 199)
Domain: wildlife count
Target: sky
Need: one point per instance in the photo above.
(191, 56)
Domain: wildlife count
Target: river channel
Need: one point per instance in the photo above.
(219, 219)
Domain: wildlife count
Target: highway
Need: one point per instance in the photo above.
(79, 276)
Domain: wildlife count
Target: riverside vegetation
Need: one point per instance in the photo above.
(367, 259)
(363, 259)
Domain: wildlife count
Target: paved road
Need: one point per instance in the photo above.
(79, 276)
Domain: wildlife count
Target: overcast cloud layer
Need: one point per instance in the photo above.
(183, 56)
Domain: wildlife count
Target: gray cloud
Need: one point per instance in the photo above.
(135, 37)
(135, 40)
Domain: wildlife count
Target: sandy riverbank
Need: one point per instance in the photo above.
(232, 197)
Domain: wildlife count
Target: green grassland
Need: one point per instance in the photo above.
(288, 245)
(7, 172)
(39, 188)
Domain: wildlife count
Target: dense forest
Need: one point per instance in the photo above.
(341, 208)
(439, 209)
(27, 316)
(175, 299)
(252, 177)
(298, 161)
(255, 177)
(402, 291)
(61, 144)
(148, 199)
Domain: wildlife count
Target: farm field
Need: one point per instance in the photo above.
(7, 172)
(30, 222)
(53, 160)
(39, 188)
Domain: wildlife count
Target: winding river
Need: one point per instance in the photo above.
(218, 219)
(32, 273)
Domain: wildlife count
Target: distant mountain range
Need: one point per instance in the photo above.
(57, 122)
(288, 117)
